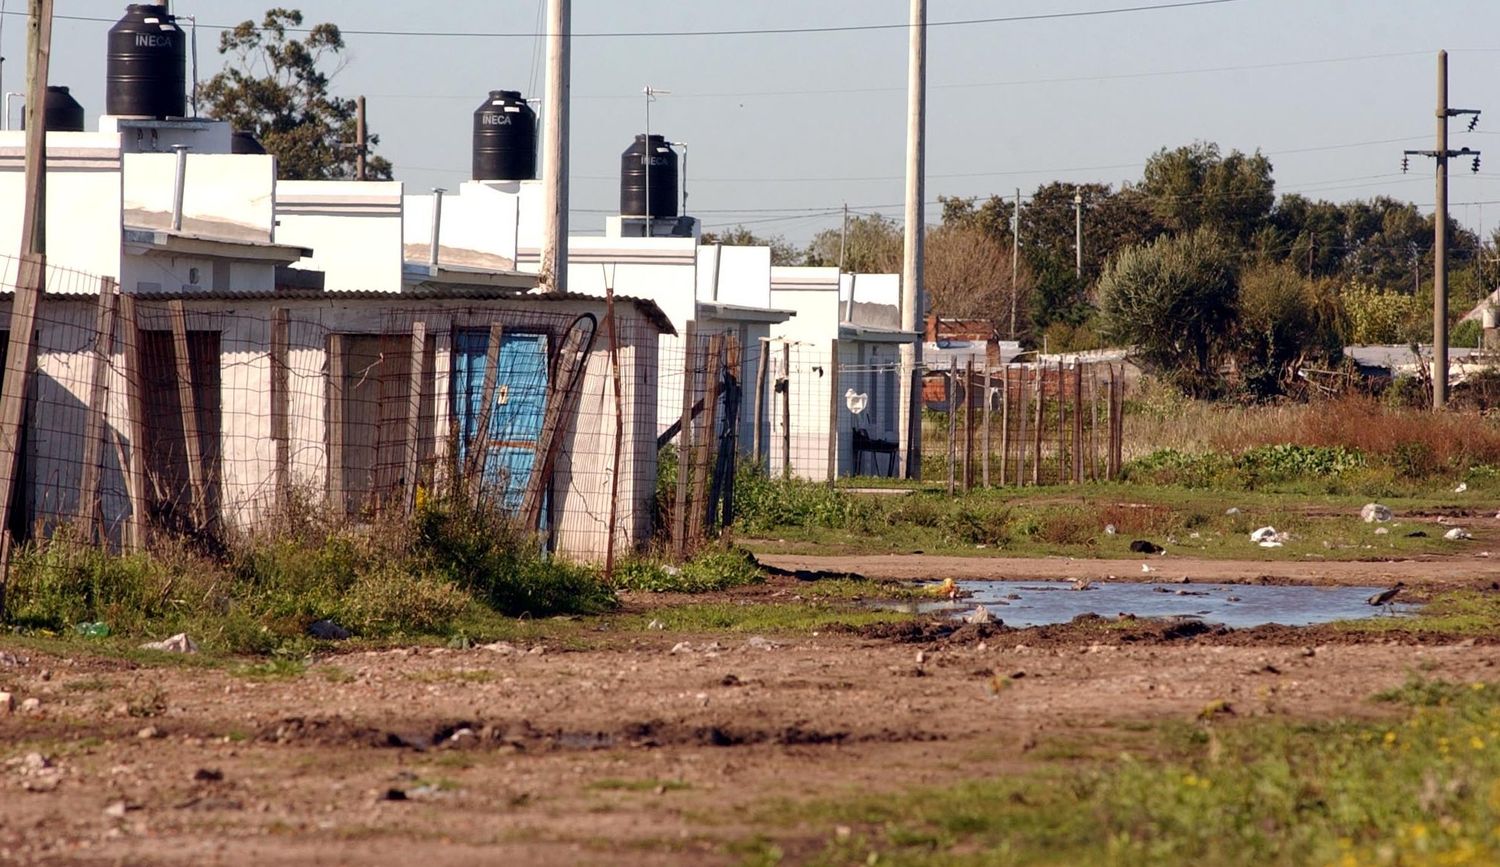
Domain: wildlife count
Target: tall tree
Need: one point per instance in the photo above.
(873, 246)
(1196, 186)
(968, 275)
(273, 86)
(782, 251)
(1175, 302)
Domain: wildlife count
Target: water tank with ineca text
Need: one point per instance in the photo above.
(504, 138)
(648, 164)
(146, 65)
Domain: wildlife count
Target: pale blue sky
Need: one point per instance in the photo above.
(780, 123)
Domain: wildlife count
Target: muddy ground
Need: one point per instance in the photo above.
(643, 747)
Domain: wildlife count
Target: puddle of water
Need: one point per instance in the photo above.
(1041, 603)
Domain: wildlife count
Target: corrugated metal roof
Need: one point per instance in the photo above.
(645, 306)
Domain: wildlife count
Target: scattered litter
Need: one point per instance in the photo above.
(682, 647)
(208, 775)
(1145, 569)
(980, 614)
(1232, 511)
(1269, 534)
(95, 629)
(656, 624)
(327, 630)
(31, 705)
(501, 647)
(1083, 584)
(1270, 543)
(117, 810)
(1462, 486)
(1457, 533)
(1417, 534)
(179, 643)
(148, 733)
(1143, 546)
(1109, 529)
(1381, 531)
(758, 643)
(1373, 512)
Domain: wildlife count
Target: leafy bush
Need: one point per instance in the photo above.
(709, 571)
(1175, 302)
(1185, 469)
(1288, 460)
(1377, 316)
(762, 503)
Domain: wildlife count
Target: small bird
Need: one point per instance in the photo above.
(1082, 584)
(1384, 597)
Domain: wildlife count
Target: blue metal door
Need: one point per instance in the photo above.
(515, 418)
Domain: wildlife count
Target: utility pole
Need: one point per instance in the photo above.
(1440, 229)
(361, 139)
(912, 294)
(844, 238)
(554, 264)
(21, 349)
(1015, 260)
(1077, 232)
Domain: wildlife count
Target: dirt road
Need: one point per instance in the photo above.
(642, 748)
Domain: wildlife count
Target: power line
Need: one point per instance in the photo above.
(754, 31)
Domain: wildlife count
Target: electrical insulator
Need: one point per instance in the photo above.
(1476, 164)
(1405, 164)
(1473, 122)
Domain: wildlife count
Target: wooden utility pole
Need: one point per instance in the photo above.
(22, 346)
(554, 265)
(361, 140)
(1015, 258)
(912, 294)
(1440, 229)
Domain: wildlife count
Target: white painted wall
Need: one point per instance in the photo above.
(227, 196)
(585, 465)
(743, 275)
(813, 293)
(353, 228)
(83, 208)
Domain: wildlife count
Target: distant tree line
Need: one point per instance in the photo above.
(1218, 283)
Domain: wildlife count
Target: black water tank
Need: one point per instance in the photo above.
(62, 111)
(661, 160)
(504, 138)
(146, 68)
(241, 142)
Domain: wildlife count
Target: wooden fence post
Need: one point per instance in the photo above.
(1041, 401)
(685, 440)
(479, 444)
(1062, 424)
(187, 398)
(335, 426)
(984, 444)
(415, 372)
(969, 424)
(952, 422)
(786, 411)
(1077, 423)
(1023, 409)
(93, 429)
(833, 412)
(281, 402)
(704, 450)
(762, 364)
(135, 424)
(1004, 424)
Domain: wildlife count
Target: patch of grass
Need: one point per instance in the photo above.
(451, 569)
(1456, 613)
(614, 784)
(1418, 790)
(709, 570)
(860, 589)
(767, 618)
(88, 684)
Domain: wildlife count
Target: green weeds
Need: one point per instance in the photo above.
(1421, 789)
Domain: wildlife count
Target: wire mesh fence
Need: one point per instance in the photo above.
(203, 416)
